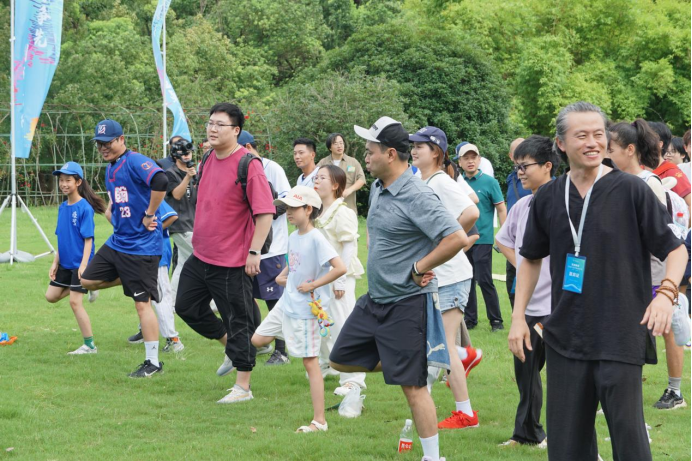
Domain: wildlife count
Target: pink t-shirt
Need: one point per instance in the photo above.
(223, 226)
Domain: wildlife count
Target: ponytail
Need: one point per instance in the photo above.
(644, 139)
(88, 194)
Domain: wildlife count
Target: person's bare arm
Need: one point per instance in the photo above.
(282, 278)
(154, 202)
(508, 253)
(659, 314)
(181, 189)
(501, 212)
(88, 244)
(469, 217)
(169, 221)
(338, 269)
(355, 187)
(263, 222)
(474, 198)
(519, 333)
(443, 252)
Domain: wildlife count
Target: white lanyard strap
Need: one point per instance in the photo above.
(577, 236)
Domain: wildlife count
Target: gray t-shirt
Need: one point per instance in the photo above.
(406, 221)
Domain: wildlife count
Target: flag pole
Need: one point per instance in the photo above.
(163, 86)
(13, 159)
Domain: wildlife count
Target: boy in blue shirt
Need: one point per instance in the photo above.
(136, 187)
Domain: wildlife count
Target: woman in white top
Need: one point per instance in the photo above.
(339, 224)
(454, 276)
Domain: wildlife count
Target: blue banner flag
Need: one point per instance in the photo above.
(38, 31)
(180, 127)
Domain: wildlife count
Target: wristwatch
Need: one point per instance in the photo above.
(414, 269)
(148, 215)
(255, 252)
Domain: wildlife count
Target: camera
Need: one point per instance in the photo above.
(180, 148)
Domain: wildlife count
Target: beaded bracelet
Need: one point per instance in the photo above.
(666, 295)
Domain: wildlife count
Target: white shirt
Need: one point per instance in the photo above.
(276, 175)
(455, 201)
(464, 185)
(308, 260)
(486, 167)
(309, 181)
(685, 168)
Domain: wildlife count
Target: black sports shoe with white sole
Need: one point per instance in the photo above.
(136, 338)
(146, 370)
(670, 400)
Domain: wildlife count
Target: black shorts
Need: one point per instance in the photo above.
(138, 273)
(68, 278)
(264, 284)
(394, 334)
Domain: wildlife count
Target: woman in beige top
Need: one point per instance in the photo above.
(339, 224)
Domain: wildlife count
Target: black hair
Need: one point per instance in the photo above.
(315, 212)
(403, 156)
(640, 134)
(686, 138)
(332, 137)
(306, 142)
(87, 193)
(679, 145)
(540, 149)
(233, 112)
(253, 144)
(664, 134)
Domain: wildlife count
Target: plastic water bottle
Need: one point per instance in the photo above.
(406, 437)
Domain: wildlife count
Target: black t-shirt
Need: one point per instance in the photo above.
(186, 206)
(625, 223)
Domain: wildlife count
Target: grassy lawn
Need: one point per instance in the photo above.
(59, 407)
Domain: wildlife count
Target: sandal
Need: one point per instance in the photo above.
(320, 427)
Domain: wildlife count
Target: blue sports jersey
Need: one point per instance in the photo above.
(163, 213)
(75, 223)
(127, 181)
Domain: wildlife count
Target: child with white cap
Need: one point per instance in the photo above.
(306, 278)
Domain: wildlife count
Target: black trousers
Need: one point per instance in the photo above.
(231, 290)
(511, 272)
(481, 258)
(527, 423)
(574, 389)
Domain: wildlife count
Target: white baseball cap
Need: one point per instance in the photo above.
(300, 196)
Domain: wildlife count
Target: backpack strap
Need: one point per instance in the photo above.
(205, 157)
(243, 167)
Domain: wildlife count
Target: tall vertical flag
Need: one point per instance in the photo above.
(180, 127)
(38, 32)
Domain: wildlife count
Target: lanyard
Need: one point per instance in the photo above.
(577, 236)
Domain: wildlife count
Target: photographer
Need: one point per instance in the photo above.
(181, 195)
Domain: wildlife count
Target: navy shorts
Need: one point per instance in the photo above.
(264, 284)
(394, 334)
(68, 278)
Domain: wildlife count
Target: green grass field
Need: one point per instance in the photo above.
(59, 407)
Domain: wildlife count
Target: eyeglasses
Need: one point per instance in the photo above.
(218, 126)
(669, 153)
(523, 167)
(107, 145)
(337, 144)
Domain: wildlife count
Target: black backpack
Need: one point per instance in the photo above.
(243, 167)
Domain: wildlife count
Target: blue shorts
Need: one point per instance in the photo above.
(264, 284)
(454, 296)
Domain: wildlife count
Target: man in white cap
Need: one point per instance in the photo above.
(410, 233)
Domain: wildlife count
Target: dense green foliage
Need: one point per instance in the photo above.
(485, 71)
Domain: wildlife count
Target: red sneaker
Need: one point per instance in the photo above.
(473, 358)
(459, 420)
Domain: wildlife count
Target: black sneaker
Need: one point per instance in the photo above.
(277, 358)
(136, 338)
(470, 326)
(670, 401)
(496, 327)
(146, 369)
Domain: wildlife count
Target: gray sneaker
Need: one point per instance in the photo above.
(277, 358)
(226, 367)
(265, 350)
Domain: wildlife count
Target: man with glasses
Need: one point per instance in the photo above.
(481, 254)
(355, 178)
(231, 226)
(130, 257)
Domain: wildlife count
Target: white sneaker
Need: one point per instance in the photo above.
(345, 389)
(226, 367)
(543, 445)
(264, 350)
(238, 394)
(93, 295)
(83, 349)
(427, 458)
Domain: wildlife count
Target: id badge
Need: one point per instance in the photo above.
(575, 268)
(514, 286)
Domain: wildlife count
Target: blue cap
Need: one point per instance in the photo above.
(245, 138)
(70, 168)
(464, 147)
(107, 130)
(430, 134)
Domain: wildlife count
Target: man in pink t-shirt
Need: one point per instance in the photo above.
(230, 229)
